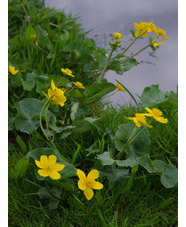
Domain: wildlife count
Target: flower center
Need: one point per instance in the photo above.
(90, 182)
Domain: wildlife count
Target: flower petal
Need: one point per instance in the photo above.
(148, 110)
(43, 172)
(81, 174)
(161, 119)
(58, 167)
(38, 164)
(89, 193)
(97, 185)
(93, 174)
(52, 160)
(156, 112)
(82, 185)
(53, 85)
(54, 175)
(44, 159)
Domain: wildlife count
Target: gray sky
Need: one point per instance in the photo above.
(108, 16)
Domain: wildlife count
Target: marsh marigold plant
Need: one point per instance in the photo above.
(49, 167)
(86, 184)
(79, 85)
(12, 70)
(56, 95)
(67, 71)
(156, 114)
(139, 120)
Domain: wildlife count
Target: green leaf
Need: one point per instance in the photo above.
(75, 93)
(16, 80)
(105, 158)
(19, 169)
(41, 83)
(52, 194)
(29, 84)
(21, 143)
(140, 147)
(169, 173)
(74, 109)
(29, 110)
(159, 165)
(120, 68)
(69, 169)
(26, 125)
(29, 31)
(146, 163)
(114, 174)
(152, 96)
(29, 107)
(97, 91)
(169, 177)
(126, 163)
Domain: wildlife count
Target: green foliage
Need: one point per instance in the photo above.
(139, 147)
(20, 169)
(153, 96)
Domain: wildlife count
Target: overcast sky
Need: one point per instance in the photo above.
(108, 16)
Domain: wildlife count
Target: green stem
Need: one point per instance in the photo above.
(41, 125)
(46, 119)
(106, 97)
(139, 133)
(135, 54)
(130, 45)
(105, 67)
(40, 118)
(121, 153)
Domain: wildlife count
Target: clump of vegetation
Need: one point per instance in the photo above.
(76, 160)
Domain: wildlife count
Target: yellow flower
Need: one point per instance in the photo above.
(156, 44)
(48, 167)
(139, 120)
(59, 98)
(141, 29)
(162, 33)
(33, 36)
(79, 85)
(12, 70)
(144, 27)
(86, 184)
(156, 114)
(67, 71)
(117, 36)
(120, 87)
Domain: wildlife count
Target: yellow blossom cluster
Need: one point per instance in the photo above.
(56, 95)
(117, 37)
(143, 28)
(140, 118)
(69, 73)
(12, 70)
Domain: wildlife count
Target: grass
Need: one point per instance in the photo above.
(147, 203)
(144, 201)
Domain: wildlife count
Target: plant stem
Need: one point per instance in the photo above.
(26, 12)
(46, 119)
(105, 67)
(135, 54)
(40, 118)
(41, 125)
(119, 156)
(130, 45)
(139, 133)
